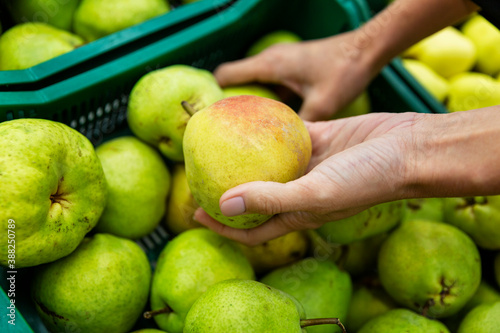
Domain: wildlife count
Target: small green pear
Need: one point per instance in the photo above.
(403, 320)
(372, 221)
(271, 38)
(102, 286)
(436, 84)
(250, 89)
(138, 184)
(424, 209)
(320, 286)
(29, 44)
(472, 90)
(241, 139)
(94, 19)
(361, 105)
(484, 318)
(155, 111)
(430, 267)
(361, 256)
(186, 268)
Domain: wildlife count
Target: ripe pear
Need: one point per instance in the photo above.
(424, 209)
(486, 37)
(53, 190)
(361, 256)
(138, 184)
(361, 105)
(448, 52)
(102, 286)
(250, 89)
(241, 139)
(94, 19)
(477, 216)
(155, 111)
(403, 320)
(186, 268)
(370, 222)
(320, 286)
(430, 267)
(484, 318)
(277, 252)
(246, 306)
(58, 14)
(271, 38)
(181, 204)
(470, 91)
(29, 44)
(436, 84)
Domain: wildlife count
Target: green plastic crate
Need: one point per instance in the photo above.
(94, 101)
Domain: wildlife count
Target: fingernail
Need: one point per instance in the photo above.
(232, 207)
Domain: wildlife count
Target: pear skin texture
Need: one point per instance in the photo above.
(138, 185)
(424, 209)
(320, 286)
(250, 89)
(244, 306)
(437, 85)
(430, 267)
(155, 113)
(94, 19)
(272, 38)
(484, 318)
(403, 320)
(238, 140)
(29, 44)
(187, 267)
(181, 204)
(58, 14)
(370, 222)
(470, 91)
(102, 286)
(53, 187)
(476, 216)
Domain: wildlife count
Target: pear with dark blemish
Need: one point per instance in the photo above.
(424, 209)
(430, 267)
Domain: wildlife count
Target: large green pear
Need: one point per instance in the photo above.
(272, 38)
(102, 286)
(94, 19)
(478, 216)
(430, 267)
(372, 221)
(319, 285)
(57, 13)
(424, 209)
(403, 320)
(29, 44)
(241, 139)
(138, 184)
(472, 90)
(484, 318)
(53, 190)
(155, 111)
(186, 268)
(437, 85)
(250, 89)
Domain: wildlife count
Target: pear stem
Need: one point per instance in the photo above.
(151, 314)
(188, 108)
(322, 321)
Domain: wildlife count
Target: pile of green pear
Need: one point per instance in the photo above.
(80, 214)
(459, 65)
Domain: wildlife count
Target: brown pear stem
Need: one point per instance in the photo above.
(188, 108)
(322, 321)
(151, 314)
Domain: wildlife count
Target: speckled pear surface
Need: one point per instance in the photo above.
(403, 320)
(484, 318)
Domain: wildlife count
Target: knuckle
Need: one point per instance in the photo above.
(266, 204)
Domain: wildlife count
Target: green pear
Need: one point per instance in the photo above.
(102, 286)
(181, 204)
(56, 13)
(250, 89)
(277, 252)
(186, 268)
(470, 91)
(241, 139)
(403, 320)
(271, 38)
(372, 221)
(477, 216)
(361, 256)
(424, 209)
(430, 267)
(155, 111)
(486, 37)
(247, 306)
(53, 190)
(149, 330)
(138, 185)
(361, 105)
(320, 286)
(448, 52)
(367, 302)
(436, 84)
(497, 268)
(94, 19)
(29, 44)
(484, 318)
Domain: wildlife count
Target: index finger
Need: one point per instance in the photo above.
(257, 68)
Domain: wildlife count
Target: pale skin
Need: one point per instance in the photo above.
(362, 161)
